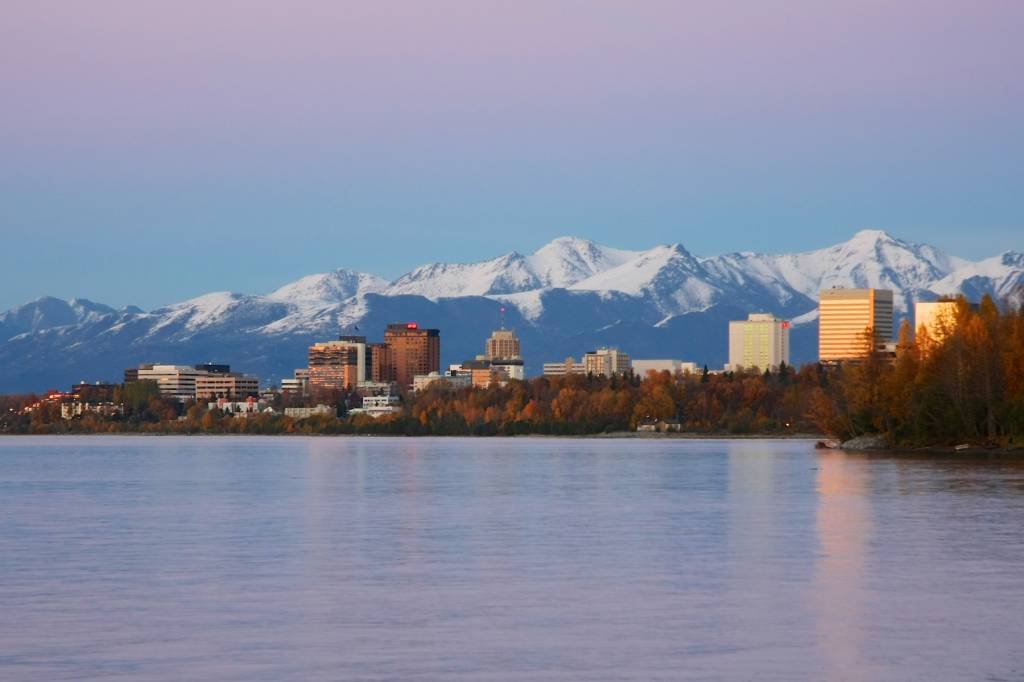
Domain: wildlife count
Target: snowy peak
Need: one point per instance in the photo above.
(871, 258)
(1002, 276)
(567, 260)
(670, 276)
(503, 275)
(241, 313)
(329, 287)
(644, 271)
(48, 312)
(558, 264)
(665, 281)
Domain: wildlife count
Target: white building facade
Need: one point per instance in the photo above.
(642, 367)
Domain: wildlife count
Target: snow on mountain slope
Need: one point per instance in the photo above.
(568, 260)
(503, 275)
(218, 309)
(669, 275)
(50, 313)
(872, 258)
(1001, 276)
(560, 263)
(569, 295)
(328, 287)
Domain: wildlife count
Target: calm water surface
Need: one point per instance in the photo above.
(529, 559)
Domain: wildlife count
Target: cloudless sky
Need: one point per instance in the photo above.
(153, 151)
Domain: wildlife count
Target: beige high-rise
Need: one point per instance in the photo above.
(845, 315)
(503, 344)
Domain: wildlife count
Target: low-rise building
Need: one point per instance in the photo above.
(298, 384)
(77, 408)
(642, 367)
(199, 382)
(226, 385)
(307, 412)
(173, 381)
(366, 388)
(512, 368)
(241, 408)
(567, 366)
(378, 406)
(447, 380)
(481, 372)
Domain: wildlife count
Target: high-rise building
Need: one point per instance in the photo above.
(845, 316)
(411, 351)
(606, 361)
(503, 344)
(935, 318)
(333, 365)
(363, 355)
(381, 366)
(759, 342)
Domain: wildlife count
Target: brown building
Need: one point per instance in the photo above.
(381, 368)
(333, 365)
(411, 351)
(226, 385)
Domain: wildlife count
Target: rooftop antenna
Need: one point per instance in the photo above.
(502, 309)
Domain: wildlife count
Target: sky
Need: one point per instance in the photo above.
(154, 151)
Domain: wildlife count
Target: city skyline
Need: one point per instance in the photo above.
(490, 340)
(292, 138)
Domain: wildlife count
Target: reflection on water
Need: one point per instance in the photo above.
(547, 559)
(844, 531)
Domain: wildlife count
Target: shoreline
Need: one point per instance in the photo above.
(928, 450)
(623, 435)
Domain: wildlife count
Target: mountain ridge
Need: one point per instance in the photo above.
(566, 297)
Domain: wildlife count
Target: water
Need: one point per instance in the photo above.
(530, 559)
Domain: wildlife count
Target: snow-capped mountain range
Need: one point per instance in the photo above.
(564, 299)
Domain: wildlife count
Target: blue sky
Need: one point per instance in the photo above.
(148, 156)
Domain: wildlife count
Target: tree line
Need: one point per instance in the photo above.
(964, 383)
